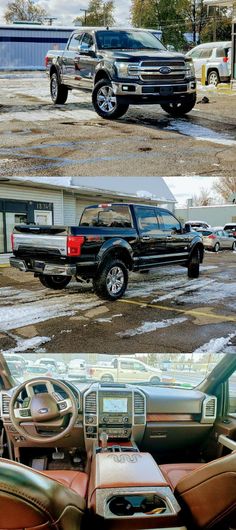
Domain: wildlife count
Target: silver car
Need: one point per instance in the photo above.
(218, 239)
(216, 56)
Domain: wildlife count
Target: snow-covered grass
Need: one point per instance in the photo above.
(148, 327)
(24, 345)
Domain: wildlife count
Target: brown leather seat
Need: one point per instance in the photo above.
(207, 492)
(50, 500)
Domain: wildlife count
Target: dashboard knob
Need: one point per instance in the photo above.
(125, 419)
(90, 419)
(105, 419)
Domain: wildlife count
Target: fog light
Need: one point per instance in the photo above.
(193, 84)
(128, 88)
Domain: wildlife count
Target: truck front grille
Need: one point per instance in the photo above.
(152, 71)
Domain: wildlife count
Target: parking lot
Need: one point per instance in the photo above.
(161, 311)
(38, 138)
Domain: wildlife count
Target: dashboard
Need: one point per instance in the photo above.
(151, 417)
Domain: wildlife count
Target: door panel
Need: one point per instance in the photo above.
(151, 248)
(177, 243)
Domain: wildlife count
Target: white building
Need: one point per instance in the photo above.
(61, 200)
(217, 215)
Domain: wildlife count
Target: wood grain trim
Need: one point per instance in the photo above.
(169, 417)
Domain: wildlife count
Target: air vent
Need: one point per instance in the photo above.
(139, 404)
(209, 410)
(91, 403)
(5, 404)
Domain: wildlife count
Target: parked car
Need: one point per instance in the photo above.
(216, 57)
(110, 241)
(231, 228)
(124, 369)
(77, 369)
(218, 239)
(47, 361)
(33, 370)
(122, 67)
(197, 225)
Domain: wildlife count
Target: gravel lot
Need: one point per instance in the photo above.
(38, 138)
(162, 311)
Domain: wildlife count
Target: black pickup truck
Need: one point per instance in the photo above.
(110, 240)
(121, 68)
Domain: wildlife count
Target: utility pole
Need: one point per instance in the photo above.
(85, 11)
(194, 21)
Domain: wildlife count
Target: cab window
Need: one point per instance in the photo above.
(88, 39)
(195, 54)
(206, 53)
(232, 395)
(147, 220)
(74, 41)
(139, 367)
(169, 223)
(127, 365)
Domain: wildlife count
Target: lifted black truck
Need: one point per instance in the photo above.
(110, 240)
(121, 68)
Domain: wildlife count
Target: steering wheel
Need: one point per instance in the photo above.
(43, 410)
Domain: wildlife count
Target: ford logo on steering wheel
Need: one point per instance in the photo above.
(43, 411)
(165, 70)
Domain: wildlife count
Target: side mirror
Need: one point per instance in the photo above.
(187, 228)
(85, 49)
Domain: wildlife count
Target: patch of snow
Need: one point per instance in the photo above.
(217, 345)
(148, 327)
(199, 132)
(23, 345)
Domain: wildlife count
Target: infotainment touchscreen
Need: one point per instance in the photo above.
(115, 405)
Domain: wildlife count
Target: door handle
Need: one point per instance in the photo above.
(145, 238)
(168, 237)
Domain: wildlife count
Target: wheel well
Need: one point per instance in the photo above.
(101, 74)
(212, 70)
(121, 254)
(200, 247)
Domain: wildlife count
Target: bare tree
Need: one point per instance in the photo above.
(203, 199)
(24, 10)
(225, 187)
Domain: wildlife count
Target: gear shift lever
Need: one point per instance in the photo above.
(103, 439)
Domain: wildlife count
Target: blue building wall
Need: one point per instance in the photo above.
(24, 47)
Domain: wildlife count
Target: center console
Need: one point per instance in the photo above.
(118, 411)
(128, 491)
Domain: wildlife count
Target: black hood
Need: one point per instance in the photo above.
(140, 55)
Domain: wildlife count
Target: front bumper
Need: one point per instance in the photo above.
(40, 267)
(160, 92)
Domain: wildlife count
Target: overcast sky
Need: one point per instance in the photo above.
(66, 11)
(184, 188)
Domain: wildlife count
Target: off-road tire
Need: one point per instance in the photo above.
(59, 92)
(54, 282)
(180, 108)
(101, 88)
(194, 264)
(101, 282)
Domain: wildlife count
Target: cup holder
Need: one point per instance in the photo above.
(129, 505)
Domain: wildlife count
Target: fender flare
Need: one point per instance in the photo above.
(116, 246)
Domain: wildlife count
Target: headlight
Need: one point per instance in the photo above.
(190, 70)
(127, 70)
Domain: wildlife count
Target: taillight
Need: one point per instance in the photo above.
(212, 237)
(12, 241)
(74, 244)
(46, 61)
(225, 59)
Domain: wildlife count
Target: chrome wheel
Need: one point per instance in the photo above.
(106, 99)
(213, 79)
(115, 280)
(54, 87)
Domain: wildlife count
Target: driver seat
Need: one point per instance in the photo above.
(30, 499)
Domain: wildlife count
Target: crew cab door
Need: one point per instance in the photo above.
(176, 242)
(131, 371)
(87, 60)
(151, 247)
(69, 60)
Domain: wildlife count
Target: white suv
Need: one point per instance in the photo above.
(216, 56)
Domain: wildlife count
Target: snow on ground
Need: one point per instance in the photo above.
(148, 327)
(218, 345)
(200, 133)
(38, 306)
(23, 345)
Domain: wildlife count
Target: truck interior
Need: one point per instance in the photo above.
(117, 456)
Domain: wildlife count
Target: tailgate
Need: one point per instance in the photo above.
(40, 239)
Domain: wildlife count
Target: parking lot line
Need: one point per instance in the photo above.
(191, 312)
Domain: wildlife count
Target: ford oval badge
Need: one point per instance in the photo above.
(165, 70)
(43, 411)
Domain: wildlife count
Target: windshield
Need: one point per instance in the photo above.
(178, 370)
(127, 40)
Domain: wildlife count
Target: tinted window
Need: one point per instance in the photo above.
(169, 223)
(222, 52)
(147, 220)
(87, 39)
(107, 216)
(74, 42)
(206, 53)
(131, 40)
